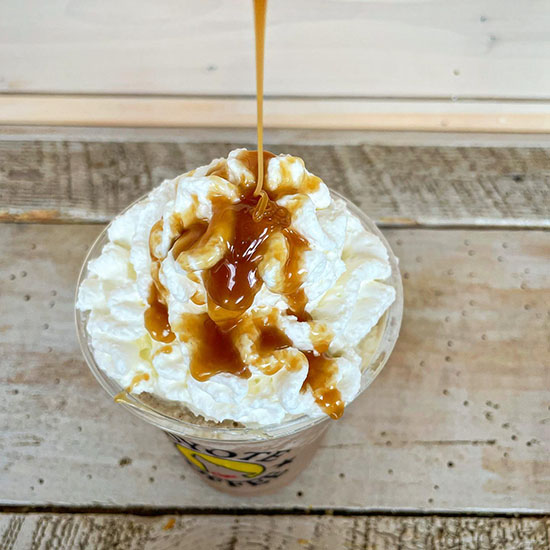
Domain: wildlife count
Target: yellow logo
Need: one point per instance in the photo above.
(248, 469)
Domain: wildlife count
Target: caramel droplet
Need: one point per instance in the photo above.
(156, 319)
(214, 351)
(320, 378)
(136, 380)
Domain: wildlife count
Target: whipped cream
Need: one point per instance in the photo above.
(343, 271)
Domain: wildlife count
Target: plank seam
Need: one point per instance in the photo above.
(151, 511)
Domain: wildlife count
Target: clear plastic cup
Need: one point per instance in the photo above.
(240, 460)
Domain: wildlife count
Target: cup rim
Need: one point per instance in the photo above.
(392, 323)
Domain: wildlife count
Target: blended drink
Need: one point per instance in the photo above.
(239, 322)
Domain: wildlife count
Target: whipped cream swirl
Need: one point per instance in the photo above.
(342, 274)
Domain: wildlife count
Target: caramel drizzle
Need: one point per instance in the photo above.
(156, 315)
(260, 9)
(320, 378)
(233, 282)
(322, 370)
(136, 380)
(231, 285)
(214, 351)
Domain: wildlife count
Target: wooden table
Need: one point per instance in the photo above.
(448, 449)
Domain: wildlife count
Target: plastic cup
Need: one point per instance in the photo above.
(240, 460)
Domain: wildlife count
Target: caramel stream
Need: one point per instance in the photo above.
(260, 9)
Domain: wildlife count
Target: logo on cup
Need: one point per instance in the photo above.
(234, 468)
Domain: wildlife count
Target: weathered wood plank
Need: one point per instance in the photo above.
(458, 420)
(92, 181)
(53, 531)
(226, 532)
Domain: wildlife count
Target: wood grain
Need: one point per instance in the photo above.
(458, 420)
(358, 114)
(91, 181)
(127, 532)
(433, 48)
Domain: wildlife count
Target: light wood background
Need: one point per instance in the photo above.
(395, 64)
(457, 423)
(318, 48)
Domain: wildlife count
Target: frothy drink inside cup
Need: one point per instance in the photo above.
(237, 316)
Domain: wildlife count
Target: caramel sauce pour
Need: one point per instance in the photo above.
(234, 281)
(260, 9)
